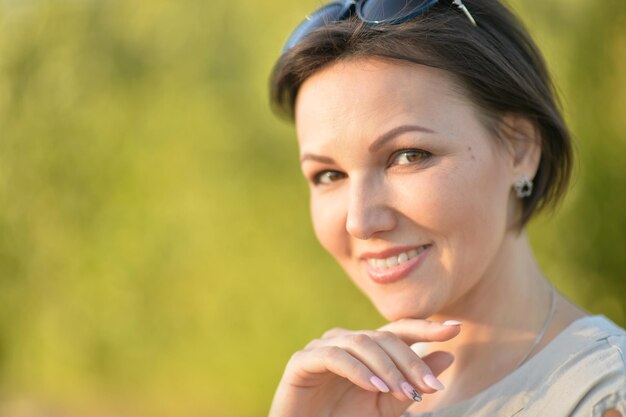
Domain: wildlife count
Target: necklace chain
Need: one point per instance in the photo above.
(544, 329)
(538, 339)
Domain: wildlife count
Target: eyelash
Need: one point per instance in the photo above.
(423, 155)
(317, 177)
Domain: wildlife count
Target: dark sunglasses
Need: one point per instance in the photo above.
(369, 11)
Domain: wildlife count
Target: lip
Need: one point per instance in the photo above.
(390, 252)
(395, 273)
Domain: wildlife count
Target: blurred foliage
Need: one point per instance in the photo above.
(156, 256)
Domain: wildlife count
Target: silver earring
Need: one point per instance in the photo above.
(523, 187)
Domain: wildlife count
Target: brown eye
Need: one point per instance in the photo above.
(409, 156)
(327, 177)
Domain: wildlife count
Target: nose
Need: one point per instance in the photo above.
(368, 211)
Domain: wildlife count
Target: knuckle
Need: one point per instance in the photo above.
(386, 335)
(312, 343)
(295, 357)
(355, 368)
(393, 373)
(417, 366)
(359, 339)
(332, 352)
(332, 332)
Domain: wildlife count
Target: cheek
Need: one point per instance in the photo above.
(466, 212)
(328, 219)
(467, 196)
(462, 206)
(442, 201)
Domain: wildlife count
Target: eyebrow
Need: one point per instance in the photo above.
(318, 158)
(374, 146)
(396, 131)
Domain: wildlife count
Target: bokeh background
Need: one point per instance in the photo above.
(156, 255)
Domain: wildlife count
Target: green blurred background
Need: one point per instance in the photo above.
(156, 255)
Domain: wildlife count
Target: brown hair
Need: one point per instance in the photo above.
(496, 64)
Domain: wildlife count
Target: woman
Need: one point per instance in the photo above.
(429, 134)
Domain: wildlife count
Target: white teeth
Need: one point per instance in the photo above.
(402, 258)
(392, 261)
(395, 260)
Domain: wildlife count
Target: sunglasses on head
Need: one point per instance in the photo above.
(369, 11)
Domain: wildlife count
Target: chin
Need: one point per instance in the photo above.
(397, 314)
(393, 310)
(411, 299)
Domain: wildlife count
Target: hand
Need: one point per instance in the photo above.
(333, 376)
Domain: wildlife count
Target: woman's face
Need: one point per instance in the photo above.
(409, 191)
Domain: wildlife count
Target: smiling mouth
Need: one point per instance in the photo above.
(396, 267)
(393, 261)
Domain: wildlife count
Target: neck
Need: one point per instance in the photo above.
(497, 334)
(515, 287)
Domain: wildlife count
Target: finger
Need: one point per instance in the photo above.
(370, 353)
(417, 330)
(414, 369)
(330, 333)
(339, 362)
(438, 361)
(335, 331)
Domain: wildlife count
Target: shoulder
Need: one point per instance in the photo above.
(580, 373)
(587, 371)
(607, 359)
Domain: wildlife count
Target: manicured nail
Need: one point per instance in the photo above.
(433, 382)
(452, 323)
(379, 384)
(410, 392)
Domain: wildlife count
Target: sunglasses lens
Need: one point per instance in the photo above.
(329, 13)
(392, 11)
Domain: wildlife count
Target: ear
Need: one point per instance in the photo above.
(522, 139)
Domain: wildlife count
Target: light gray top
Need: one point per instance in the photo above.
(580, 373)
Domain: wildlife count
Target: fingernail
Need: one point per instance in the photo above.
(433, 382)
(379, 384)
(452, 323)
(410, 392)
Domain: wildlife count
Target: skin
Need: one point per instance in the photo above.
(446, 184)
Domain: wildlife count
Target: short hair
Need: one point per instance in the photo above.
(496, 64)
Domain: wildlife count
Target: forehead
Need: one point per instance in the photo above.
(370, 95)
